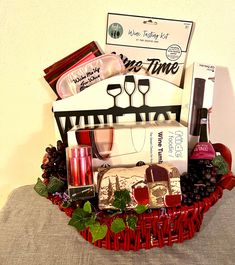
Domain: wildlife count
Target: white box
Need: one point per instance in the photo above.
(197, 93)
(128, 143)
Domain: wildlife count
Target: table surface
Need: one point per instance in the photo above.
(34, 231)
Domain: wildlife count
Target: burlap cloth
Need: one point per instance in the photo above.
(34, 231)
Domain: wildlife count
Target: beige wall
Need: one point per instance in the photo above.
(36, 33)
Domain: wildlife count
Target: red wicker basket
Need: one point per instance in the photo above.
(164, 226)
(157, 228)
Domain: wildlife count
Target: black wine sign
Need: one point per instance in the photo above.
(130, 84)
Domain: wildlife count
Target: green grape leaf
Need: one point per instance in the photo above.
(41, 188)
(131, 222)
(98, 231)
(66, 204)
(78, 224)
(79, 213)
(91, 220)
(141, 208)
(87, 207)
(221, 164)
(118, 225)
(55, 185)
(79, 219)
(121, 199)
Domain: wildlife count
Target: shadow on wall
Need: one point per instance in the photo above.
(223, 114)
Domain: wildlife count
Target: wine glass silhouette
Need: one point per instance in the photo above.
(143, 87)
(114, 90)
(129, 86)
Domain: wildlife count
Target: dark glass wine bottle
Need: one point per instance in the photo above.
(203, 136)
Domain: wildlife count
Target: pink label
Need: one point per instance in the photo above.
(203, 150)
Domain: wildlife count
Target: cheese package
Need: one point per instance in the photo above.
(156, 186)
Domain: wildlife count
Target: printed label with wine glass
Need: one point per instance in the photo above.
(128, 143)
(149, 185)
(151, 46)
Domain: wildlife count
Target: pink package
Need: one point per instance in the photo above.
(82, 76)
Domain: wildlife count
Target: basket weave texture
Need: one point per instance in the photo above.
(156, 228)
(159, 227)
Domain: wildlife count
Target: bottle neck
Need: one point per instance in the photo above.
(203, 130)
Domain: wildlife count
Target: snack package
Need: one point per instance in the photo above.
(88, 73)
(155, 185)
(86, 53)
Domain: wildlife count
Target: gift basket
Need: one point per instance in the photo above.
(134, 167)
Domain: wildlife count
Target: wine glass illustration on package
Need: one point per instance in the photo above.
(114, 90)
(143, 87)
(129, 87)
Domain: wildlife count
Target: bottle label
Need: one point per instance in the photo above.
(203, 121)
(203, 150)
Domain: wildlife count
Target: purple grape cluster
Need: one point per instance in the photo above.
(199, 182)
(54, 162)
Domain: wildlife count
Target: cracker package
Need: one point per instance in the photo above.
(156, 186)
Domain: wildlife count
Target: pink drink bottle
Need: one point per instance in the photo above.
(80, 163)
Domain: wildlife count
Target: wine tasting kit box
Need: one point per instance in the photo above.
(197, 93)
(152, 46)
(128, 143)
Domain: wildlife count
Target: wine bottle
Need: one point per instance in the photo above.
(198, 97)
(203, 149)
(203, 114)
